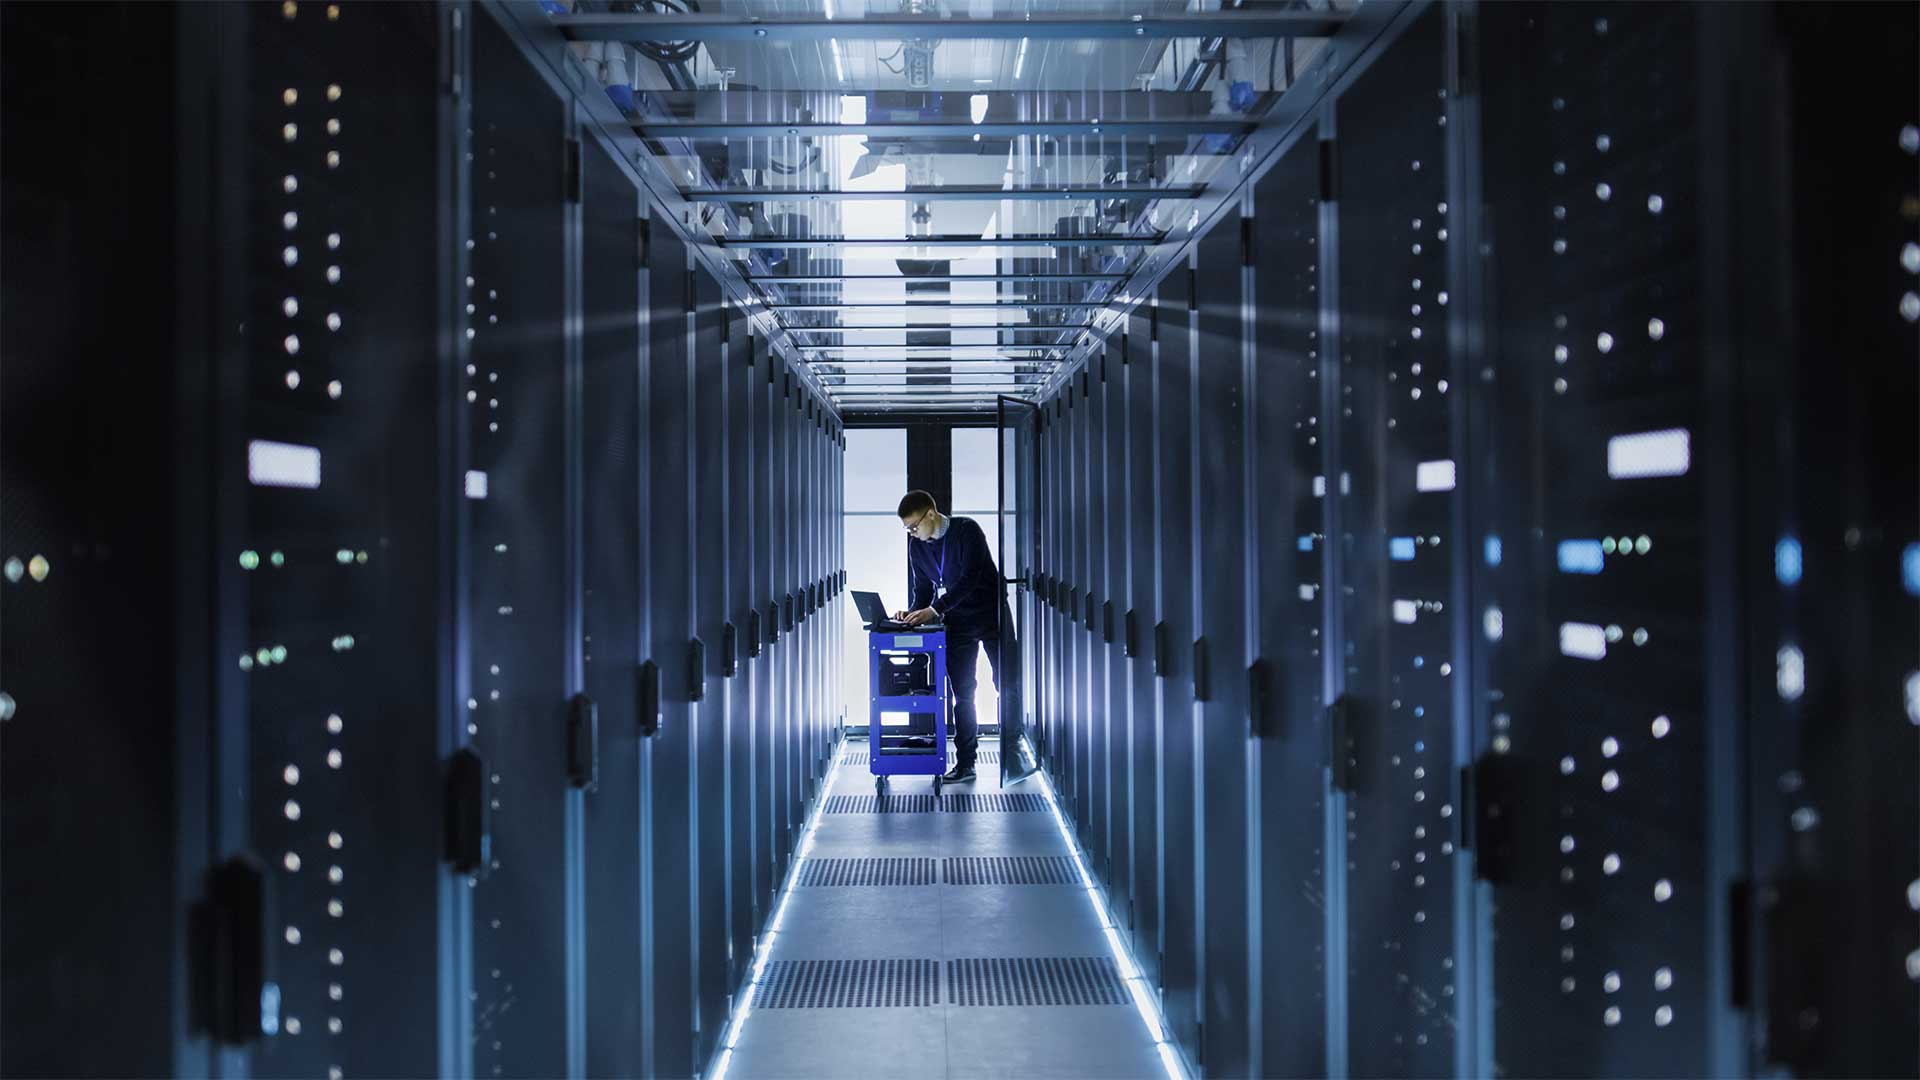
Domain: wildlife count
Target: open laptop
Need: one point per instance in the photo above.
(874, 613)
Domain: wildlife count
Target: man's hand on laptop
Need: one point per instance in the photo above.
(919, 618)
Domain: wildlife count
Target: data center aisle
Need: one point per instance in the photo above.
(950, 941)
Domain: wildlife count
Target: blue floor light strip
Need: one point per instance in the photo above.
(765, 949)
(1144, 1001)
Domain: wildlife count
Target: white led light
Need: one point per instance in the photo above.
(276, 464)
(476, 484)
(1434, 476)
(1652, 453)
(1405, 611)
(1791, 673)
(1583, 641)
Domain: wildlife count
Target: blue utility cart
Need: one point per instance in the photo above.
(907, 728)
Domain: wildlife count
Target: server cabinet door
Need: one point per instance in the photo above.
(744, 746)
(518, 632)
(1610, 619)
(613, 559)
(1173, 446)
(1826, 850)
(110, 645)
(709, 507)
(1117, 709)
(767, 717)
(1143, 607)
(1222, 504)
(786, 705)
(337, 731)
(1013, 454)
(1284, 438)
(673, 806)
(1396, 489)
(1098, 811)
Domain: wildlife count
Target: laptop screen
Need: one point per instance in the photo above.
(872, 610)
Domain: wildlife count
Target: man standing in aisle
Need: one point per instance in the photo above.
(952, 579)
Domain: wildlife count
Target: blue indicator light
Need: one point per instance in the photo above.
(1581, 557)
(1786, 561)
(1493, 551)
(1401, 548)
(1306, 543)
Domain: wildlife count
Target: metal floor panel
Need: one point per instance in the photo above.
(1022, 981)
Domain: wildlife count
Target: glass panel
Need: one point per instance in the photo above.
(875, 478)
(876, 562)
(975, 491)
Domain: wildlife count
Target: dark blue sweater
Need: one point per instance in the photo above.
(972, 600)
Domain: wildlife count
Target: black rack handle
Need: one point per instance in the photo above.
(583, 743)
(469, 836)
(753, 633)
(1130, 640)
(1161, 666)
(1202, 675)
(648, 692)
(1340, 743)
(696, 669)
(229, 936)
(1259, 677)
(729, 651)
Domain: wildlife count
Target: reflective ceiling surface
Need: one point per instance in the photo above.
(933, 199)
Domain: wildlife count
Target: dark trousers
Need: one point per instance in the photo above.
(1003, 653)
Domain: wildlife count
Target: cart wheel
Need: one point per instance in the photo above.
(936, 787)
(879, 785)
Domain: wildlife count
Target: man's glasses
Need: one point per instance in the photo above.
(914, 525)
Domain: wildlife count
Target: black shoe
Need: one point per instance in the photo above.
(960, 775)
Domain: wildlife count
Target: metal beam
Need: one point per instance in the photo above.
(959, 366)
(937, 306)
(942, 130)
(835, 279)
(941, 350)
(921, 393)
(951, 193)
(936, 328)
(718, 27)
(794, 243)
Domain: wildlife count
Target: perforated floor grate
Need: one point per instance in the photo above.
(877, 804)
(1031, 870)
(854, 757)
(824, 872)
(1046, 980)
(848, 984)
(994, 804)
